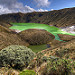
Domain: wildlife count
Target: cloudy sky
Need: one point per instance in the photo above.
(24, 6)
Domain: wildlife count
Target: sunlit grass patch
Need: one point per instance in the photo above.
(28, 72)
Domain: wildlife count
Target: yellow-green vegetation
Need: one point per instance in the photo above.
(58, 67)
(61, 52)
(16, 56)
(28, 72)
(53, 65)
(38, 48)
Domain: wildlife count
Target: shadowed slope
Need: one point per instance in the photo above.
(36, 36)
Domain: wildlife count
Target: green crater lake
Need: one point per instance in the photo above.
(52, 29)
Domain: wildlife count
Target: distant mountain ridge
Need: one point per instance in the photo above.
(60, 18)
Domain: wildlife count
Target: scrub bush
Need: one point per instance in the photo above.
(32, 65)
(39, 58)
(62, 52)
(16, 56)
(44, 58)
(58, 67)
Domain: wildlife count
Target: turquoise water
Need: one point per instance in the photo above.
(51, 29)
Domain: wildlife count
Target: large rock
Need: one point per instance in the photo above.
(36, 36)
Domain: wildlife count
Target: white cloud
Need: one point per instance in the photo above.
(28, 8)
(41, 10)
(13, 6)
(52, 9)
(42, 3)
(4, 10)
(10, 6)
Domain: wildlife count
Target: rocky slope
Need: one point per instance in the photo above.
(66, 37)
(59, 18)
(8, 37)
(36, 36)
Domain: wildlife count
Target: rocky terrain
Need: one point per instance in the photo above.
(9, 37)
(36, 36)
(59, 18)
(17, 59)
(66, 37)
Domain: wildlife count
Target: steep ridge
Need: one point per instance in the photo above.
(60, 18)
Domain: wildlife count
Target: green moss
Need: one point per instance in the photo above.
(37, 48)
(28, 72)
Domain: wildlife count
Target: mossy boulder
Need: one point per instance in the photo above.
(16, 56)
(36, 36)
